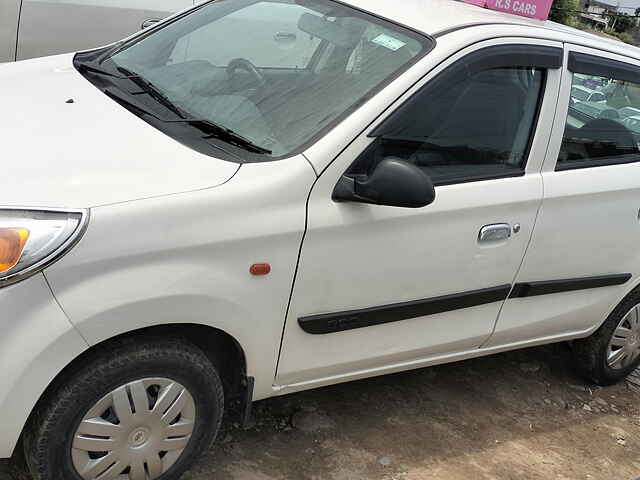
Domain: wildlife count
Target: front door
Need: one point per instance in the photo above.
(382, 288)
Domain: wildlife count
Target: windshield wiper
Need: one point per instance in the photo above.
(209, 128)
(87, 68)
(213, 130)
(128, 104)
(151, 90)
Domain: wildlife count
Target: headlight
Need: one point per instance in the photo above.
(30, 240)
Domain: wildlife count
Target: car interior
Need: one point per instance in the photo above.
(597, 139)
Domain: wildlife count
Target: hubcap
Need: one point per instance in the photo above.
(624, 347)
(136, 432)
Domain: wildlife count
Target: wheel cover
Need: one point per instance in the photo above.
(624, 347)
(136, 432)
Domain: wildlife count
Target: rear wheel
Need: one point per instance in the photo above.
(136, 412)
(613, 351)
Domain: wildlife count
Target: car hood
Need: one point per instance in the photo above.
(87, 153)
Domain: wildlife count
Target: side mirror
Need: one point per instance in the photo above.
(394, 183)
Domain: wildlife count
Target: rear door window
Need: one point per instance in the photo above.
(601, 130)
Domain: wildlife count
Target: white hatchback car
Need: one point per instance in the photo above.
(200, 213)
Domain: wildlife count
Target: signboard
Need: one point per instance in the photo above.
(525, 8)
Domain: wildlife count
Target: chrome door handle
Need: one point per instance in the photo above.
(496, 232)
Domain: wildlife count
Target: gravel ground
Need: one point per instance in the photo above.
(519, 415)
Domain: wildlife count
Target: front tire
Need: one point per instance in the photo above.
(137, 410)
(613, 351)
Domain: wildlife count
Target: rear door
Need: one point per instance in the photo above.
(584, 255)
(9, 12)
(48, 27)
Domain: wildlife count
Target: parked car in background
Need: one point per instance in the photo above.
(584, 94)
(632, 123)
(255, 198)
(625, 112)
(589, 82)
(35, 28)
(588, 111)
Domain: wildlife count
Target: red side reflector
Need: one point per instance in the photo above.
(260, 269)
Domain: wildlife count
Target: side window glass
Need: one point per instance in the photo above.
(603, 122)
(477, 127)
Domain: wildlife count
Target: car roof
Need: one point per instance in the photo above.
(437, 17)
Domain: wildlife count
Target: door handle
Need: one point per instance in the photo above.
(496, 232)
(150, 23)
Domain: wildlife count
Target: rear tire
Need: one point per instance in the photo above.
(111, 415)
(613, 351)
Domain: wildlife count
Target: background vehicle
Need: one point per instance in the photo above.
(632, 123)
(589, 82)
(590, 110)
(35, 28)
(625, 112)
(584, 94)
(215, 218)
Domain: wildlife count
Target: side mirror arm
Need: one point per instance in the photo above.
(345, 190)
(394, 183)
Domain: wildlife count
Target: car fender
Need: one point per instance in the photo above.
(186, 258)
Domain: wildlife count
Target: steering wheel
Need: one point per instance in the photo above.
(247, 66)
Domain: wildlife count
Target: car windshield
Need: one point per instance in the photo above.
(276, 73)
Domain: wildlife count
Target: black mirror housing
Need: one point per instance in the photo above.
(394, 183)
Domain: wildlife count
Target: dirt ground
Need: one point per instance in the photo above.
(521, 415)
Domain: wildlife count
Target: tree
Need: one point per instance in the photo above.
(562, 11)
(623, 23)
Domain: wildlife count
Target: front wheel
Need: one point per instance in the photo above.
(613, 351)
(138, 411)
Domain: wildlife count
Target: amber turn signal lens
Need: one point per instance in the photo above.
(12, 242)
(260, 269)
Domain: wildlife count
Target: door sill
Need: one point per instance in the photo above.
(425, 362)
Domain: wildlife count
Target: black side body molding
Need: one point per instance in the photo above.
(367, 317)
(533, 289)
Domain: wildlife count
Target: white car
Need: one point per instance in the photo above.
(584, 94)
(627, 112)
(208, 212)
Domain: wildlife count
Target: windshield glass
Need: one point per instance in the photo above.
(277, 73)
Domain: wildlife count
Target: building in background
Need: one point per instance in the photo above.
(595, 14)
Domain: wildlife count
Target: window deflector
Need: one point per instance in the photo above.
(500, 56)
